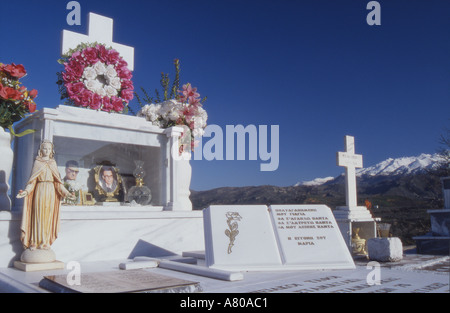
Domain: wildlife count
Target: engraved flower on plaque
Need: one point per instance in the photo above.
(232, 231)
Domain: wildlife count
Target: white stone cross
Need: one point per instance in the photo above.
(101, 31)
(350, 161)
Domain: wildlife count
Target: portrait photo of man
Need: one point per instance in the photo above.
(72, 170)
(70, 182)
(108, 179)
(108, 184)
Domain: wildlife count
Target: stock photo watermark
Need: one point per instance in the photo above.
(374, 16)
(235, 142)
(374, 276)
(73, 278)
(74, 16)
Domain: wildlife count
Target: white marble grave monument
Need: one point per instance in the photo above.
(354, 221)
(281, 237)
(89, 231)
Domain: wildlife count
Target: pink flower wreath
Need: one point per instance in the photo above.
(96, 77)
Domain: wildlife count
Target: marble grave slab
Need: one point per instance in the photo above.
(280, 237)
(119, 282)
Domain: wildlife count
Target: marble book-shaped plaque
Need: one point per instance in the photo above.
(279, 237)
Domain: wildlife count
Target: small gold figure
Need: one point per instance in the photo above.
(358, 244)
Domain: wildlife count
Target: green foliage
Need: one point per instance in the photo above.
(65, 57)
(11, 113)
(169, 91)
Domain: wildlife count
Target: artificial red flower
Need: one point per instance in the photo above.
(31, 106)
(17, 71)
(101, 52)
(127, 94)
(124, 73)
(12, 94)
(33, 93)
(112, 57)
(117, 104)
(91, 55)
(3, 92)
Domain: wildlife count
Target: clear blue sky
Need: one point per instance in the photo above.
(315, 68)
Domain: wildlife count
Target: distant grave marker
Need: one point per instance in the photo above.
(355, 222)
(350, 161)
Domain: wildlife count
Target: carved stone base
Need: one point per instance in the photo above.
(38, 256)
(38, 260)
(32, 267)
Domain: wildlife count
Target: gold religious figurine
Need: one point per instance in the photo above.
(43, 193)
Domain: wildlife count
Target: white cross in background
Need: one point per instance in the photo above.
(350, 161)
(101, 31)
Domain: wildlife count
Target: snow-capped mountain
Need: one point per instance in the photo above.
(397, 166)
(403, 165)
(394, 184)
(314, 182)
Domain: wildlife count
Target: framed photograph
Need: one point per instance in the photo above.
(108, 183)
(88, 198)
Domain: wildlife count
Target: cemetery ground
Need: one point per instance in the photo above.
(414, 274)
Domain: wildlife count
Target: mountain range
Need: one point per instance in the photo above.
(390, 167)
(400, 190)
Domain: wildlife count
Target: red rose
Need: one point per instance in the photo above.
(96, 102)
(3, 92)
(107, 106)
(17, 71)
(78, 57)
(91, 55)
(127, 84)
(113, 57)
(117, 104)
(102, 53)
(31, 106)
(12, 94)
(124, 73)
(74, 89)
(33, 93)
(86, 98)
(122, 63)
(127, 94)
(74, 71)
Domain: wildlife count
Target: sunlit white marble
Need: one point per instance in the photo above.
(99, 233)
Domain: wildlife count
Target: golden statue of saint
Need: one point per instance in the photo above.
(43, 193)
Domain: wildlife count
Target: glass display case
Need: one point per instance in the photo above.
(101, 157)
